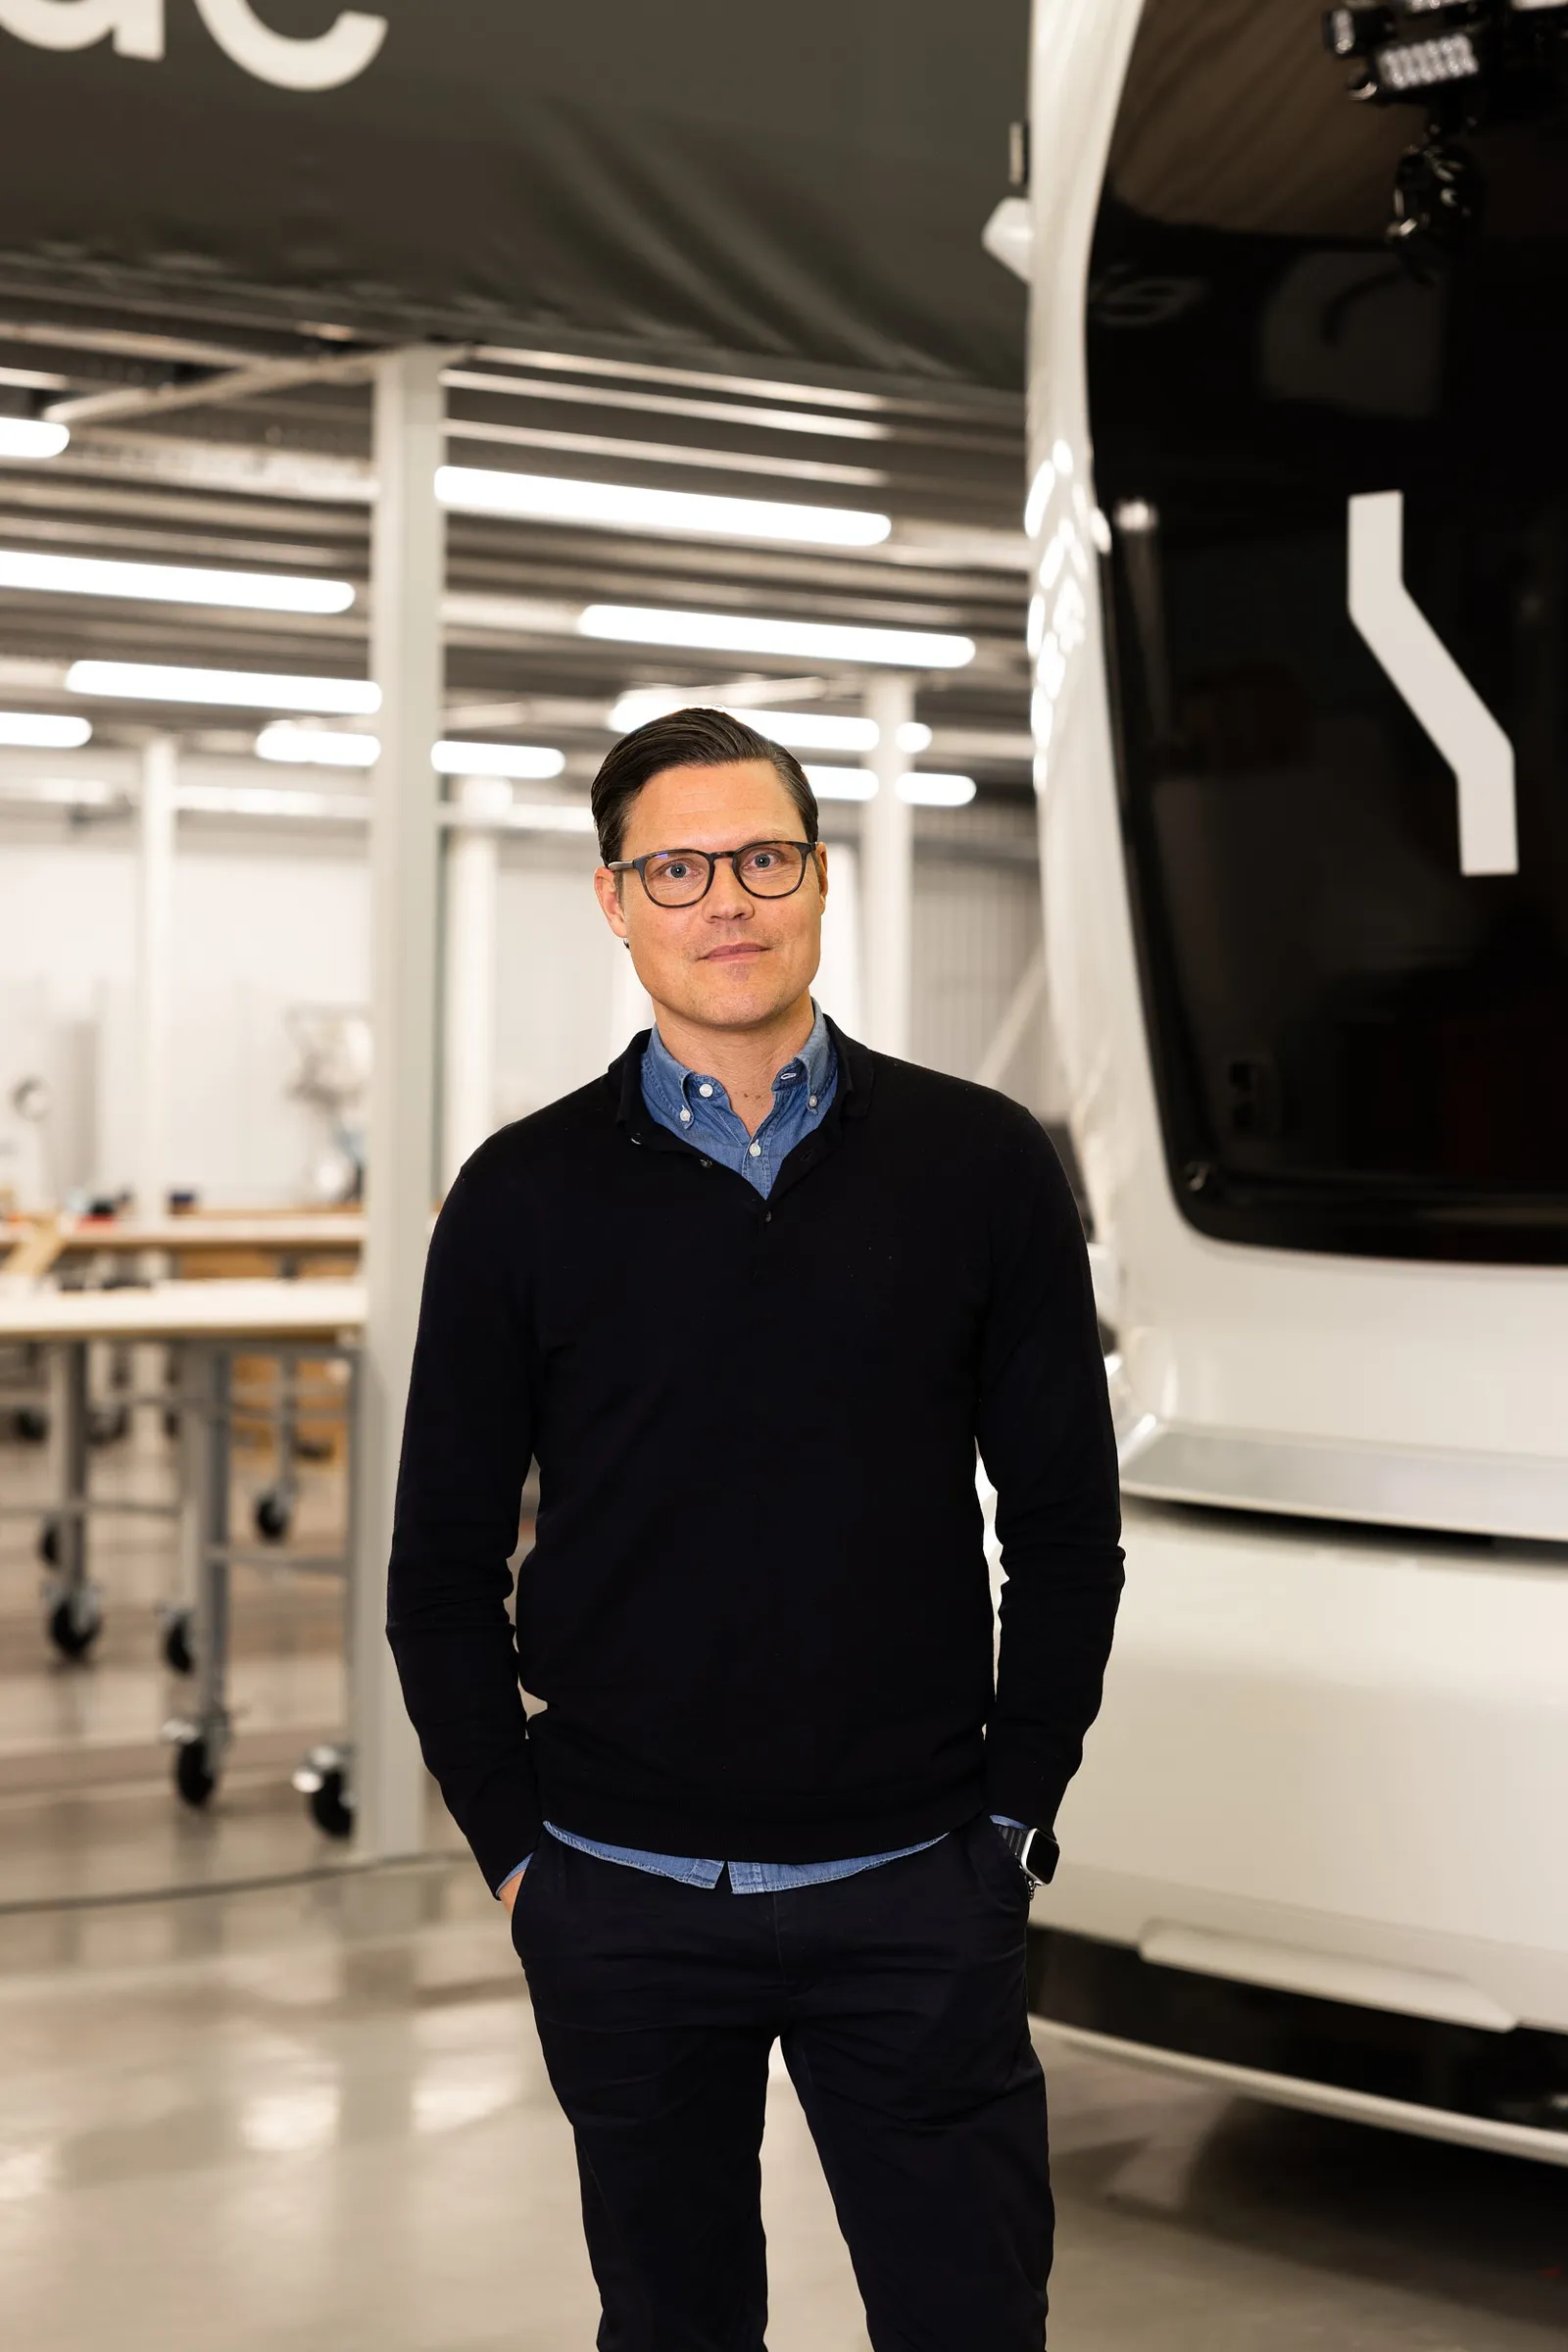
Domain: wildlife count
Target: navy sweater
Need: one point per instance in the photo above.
(757, 1609)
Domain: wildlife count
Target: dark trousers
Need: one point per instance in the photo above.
(898, 1996)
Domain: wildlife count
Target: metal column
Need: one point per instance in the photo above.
(155, 911)
(155, 937)
(407, 578)
(887, 869)
(469, 1018)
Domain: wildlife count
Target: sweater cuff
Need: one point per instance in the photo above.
(500, 1819)
(1025, 1789)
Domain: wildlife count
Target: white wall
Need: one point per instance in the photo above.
(262, 921)
(269, 917)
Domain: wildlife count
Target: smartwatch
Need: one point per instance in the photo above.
(1034, 1850)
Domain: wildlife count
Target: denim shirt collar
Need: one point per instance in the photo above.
(667, 1084)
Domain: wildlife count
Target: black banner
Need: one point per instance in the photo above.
(795, 181)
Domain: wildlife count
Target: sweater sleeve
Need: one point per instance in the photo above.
(467, 1442)
(1048, 1446)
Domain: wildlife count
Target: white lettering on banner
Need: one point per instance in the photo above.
(138, 25)
(323, 62)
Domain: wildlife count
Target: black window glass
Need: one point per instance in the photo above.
(1359, 1046)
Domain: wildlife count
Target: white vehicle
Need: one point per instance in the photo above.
(1299, 507)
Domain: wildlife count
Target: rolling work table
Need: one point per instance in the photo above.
(208, 1323)
(109, 1251)
(32, 1245)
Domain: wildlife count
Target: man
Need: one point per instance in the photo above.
(752, 1301)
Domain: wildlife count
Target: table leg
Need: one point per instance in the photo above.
(325, 1777)
(202, 1738)
(75, 1611)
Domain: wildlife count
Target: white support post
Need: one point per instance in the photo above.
(155, 940)
(887, 869)
(407, 578)
(469, 1027)
(155, 911)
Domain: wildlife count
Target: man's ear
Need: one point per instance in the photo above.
(608, 891)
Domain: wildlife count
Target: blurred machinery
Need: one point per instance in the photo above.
(333, 1074)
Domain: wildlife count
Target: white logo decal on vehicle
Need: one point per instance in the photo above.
(1430, 679)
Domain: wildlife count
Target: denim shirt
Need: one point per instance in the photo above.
(695, 1107)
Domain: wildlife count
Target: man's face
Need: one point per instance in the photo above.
(731, 961)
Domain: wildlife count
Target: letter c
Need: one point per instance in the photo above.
(322, 64)
(138, 25)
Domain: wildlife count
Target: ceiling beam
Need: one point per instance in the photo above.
(207, 391)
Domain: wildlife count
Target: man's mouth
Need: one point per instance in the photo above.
(733, 954)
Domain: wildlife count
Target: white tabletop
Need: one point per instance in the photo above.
(186, 1310)
(306, 1229)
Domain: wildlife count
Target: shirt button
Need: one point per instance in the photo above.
(757, 1151)
(686, 1117)
(705, 1089)
(811, 1101)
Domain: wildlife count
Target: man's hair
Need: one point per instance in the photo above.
(693, 738)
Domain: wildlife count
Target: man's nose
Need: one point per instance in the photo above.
(727, 897)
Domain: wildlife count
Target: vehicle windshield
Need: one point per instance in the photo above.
(1359, 1045)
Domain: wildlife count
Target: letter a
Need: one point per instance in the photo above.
(138, 25)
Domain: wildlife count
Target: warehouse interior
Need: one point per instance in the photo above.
(336, 552)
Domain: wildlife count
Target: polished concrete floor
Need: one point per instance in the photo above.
(315, 2116)
(293, 2107)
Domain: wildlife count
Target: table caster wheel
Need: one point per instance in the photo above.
(30, 1425)
(323, 1780)
(179, 1656)
(331, 1807)
(49, 1543)
(74, 1621)
(194, 1777)
(272, 1515)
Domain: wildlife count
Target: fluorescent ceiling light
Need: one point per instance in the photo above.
(842, 783)
(172, 583)
(39, 731)
(531, 759)
(920, 791)
(249, 689)
(326, 747)
(546, 816)
(932, 791)
(316, 747)
(28, 437)
(268, 799)
(808, 640)
(622, 506)
(798, 730)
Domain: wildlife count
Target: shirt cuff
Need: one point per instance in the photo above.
(513, 1874)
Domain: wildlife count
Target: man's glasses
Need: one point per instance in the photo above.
(768, 869)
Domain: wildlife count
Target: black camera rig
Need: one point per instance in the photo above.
(1466, 63)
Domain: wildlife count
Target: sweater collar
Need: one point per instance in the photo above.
(857, 1071)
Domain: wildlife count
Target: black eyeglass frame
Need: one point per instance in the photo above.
(715, 859)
